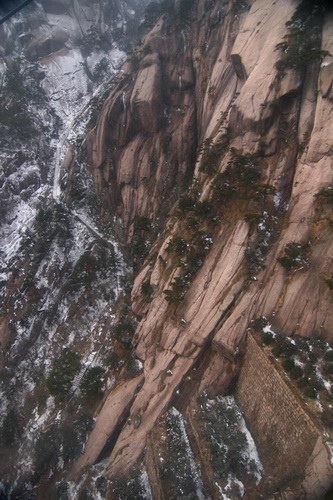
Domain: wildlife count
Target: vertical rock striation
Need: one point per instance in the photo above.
(213, 103)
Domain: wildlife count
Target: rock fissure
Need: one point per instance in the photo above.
(208, 156)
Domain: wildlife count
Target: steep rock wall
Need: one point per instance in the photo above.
(232, 92)
(142, 149)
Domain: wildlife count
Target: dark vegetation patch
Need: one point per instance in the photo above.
(59, 445)
(212, 153)
(296, 256)
(130, 487)
(221, 422)
(179, 472)
(307, 361)
(178, 16)
(92, 382)
(302, 45)
(21, 86)
(190, 257)
(10, 429)
(144, 234)
(240, 180)
(64, 369)
(326, 194)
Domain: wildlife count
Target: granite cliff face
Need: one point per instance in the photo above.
(252, 236)
(211, 157)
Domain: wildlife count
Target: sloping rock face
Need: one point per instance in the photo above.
(261, 126)
(141, 149)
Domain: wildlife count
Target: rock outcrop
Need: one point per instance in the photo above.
(210, 155)
(141, 149)
(214, 85)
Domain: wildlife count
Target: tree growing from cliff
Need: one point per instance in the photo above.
(143, 235)
(147, 290)
(296, 256)
(212, 153)
(239, 180)
(302, 45)
(326, 194)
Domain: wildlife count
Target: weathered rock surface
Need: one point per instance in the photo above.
(217, 78)
(141, 149)
(110, 417)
